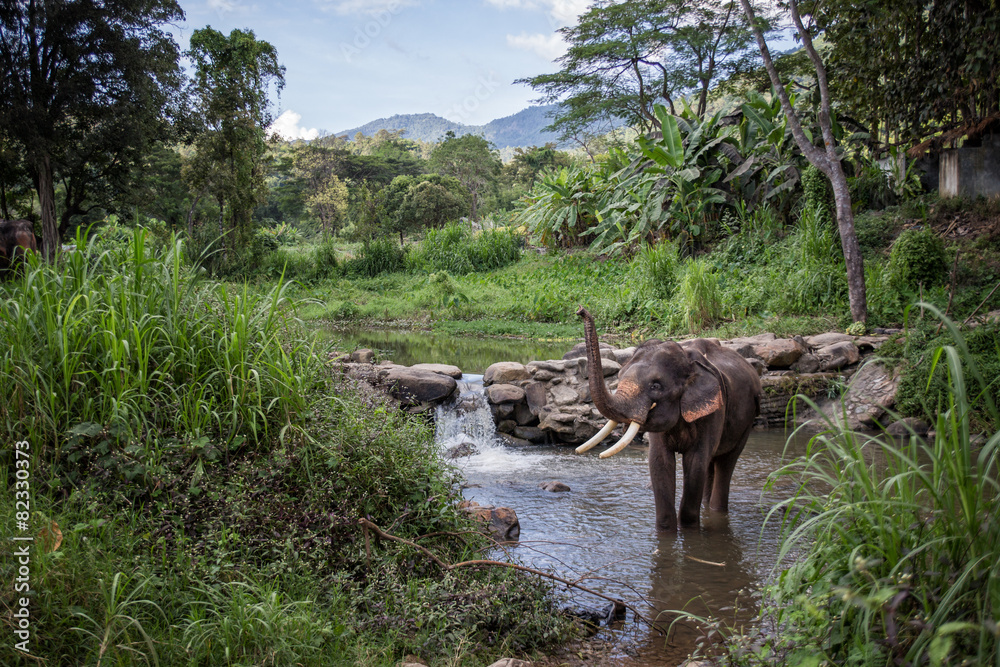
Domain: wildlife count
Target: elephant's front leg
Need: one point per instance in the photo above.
(662, 474)
(697, 460)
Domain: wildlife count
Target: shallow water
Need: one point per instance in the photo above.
(602, 533)
(472, 355)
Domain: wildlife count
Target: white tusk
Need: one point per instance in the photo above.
(633, 428)
(597, 439)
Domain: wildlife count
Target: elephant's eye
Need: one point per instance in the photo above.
(655, 386)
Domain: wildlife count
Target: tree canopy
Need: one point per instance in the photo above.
(625, 57)
(472, 160)
(84, 87)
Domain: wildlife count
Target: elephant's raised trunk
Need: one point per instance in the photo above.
(610, 406)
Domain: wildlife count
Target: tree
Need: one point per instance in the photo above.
(83, 88)
(914, 67)
(232, 80)
(472, 160)
(826, 158)
(624, 57)
(427, 205)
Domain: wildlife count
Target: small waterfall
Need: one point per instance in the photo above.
(467, 422)
(467, 418)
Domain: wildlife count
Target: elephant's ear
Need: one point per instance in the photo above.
(702, 396)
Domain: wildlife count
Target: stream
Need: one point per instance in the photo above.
(602, 530)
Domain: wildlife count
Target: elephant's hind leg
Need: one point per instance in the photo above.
(722, 473)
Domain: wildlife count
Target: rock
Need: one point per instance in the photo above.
(908, 426)
(579, 351)
(534, 394)
(513, 440)
(510, 662)
(745, 350)
(807, 363)
(757, 364)
(465, 446)
(608, 367)
(523, 414)
(870, 342)
(506, 426)
(443, 369)
(531, 433)
(836, 356)
(501, 522)
(413, 387)
(339, 356)
(363, 356)
(504, 393)
(871, 390)
(824, 339)
(779, 353)
(412, 661)
(554, 366)
(554, 487)
(624, 356)
(505, 372)
(502, 411)
(754, 340)
(564, 394)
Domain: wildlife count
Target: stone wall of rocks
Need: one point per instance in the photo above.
(549, 401)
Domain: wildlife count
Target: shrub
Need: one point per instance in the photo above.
(324, 260)
(377, 256)
(658, 266)
(917, 258)
(456, 250)
(699, 294)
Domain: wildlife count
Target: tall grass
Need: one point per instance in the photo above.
(123, 349)
(457, 250)
(899, 542)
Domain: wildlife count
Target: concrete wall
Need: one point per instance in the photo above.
(971, 171)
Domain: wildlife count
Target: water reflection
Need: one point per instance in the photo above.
(472, 355)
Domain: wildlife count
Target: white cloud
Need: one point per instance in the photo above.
(560, 12)
(370, 7)
(549, 47)
(223, 5)
(287, 126)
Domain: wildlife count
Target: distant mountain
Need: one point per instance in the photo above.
(521, 129)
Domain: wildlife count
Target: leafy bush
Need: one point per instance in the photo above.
(659, 266)
(917, 258)
(377, 256)
(699, 294)
(871, 186)
(457, 250)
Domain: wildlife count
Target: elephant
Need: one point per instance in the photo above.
(695, 398)
(16, 238)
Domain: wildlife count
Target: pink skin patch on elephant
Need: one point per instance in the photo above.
(704, 409)
(627, 390)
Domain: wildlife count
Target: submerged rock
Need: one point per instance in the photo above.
(500, 522)
(554, 487)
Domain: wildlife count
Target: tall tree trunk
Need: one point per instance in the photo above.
(47, 201)
(825, 159)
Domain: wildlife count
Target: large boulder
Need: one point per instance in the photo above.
(871, 391)
(443, 369)
(579, 351)
(836, 356)
(505, 372)
(504, 393)
(779, 353)
(413, 386)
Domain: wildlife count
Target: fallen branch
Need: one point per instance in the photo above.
(368, 525)
(983, 303)
(951, 292)
(705, 562)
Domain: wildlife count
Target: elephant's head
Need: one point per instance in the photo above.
(662, 384)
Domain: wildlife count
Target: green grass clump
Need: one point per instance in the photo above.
(896, 546)
(660, 266)
(457, 250)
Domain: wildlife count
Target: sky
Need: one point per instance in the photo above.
(349, 62)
